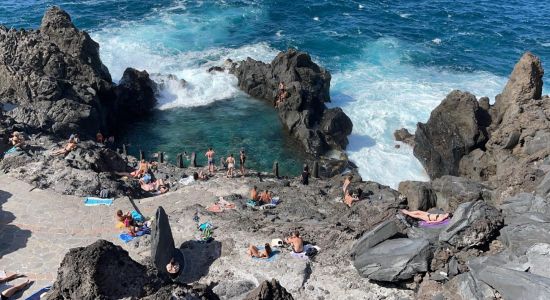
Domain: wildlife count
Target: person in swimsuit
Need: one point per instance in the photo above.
(210, 155)
(265, 197)
(230, 165)
(254, 194)
(296, 242)
(156, 187)
(347, 181)
(10, 291)
(254, 252)
(68, 148)
(426, 216)
(242, 160)
(349, 198)
(173, 269)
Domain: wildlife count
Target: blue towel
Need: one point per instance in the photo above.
(271, 258)
(93, 201)
(11, 150)
(126, 237)
(36, 296)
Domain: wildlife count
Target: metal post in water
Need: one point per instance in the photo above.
(161, 157)
(141, 155)
(124, 151)
(179, 159)
(315, 169)
(276, 169)
(193, 160)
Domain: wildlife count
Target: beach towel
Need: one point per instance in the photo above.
(94, 201)
(11, 151)
(251, 203)
(268, 206)
(275, 200)
(126, 237)
(302, 255)
(432, 224)
(36, 295)
(274, 253)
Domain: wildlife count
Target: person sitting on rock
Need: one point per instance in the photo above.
(346, 184)
(99, 138)
(296, 242)
(254, 194)
(265, 197)
(173, 269)
(200, 176)
(426, 216)
(142, 170)
(350, 198)
(128, 222)
(71, 145)
(6, 291)
(17, 140)
(254, 252)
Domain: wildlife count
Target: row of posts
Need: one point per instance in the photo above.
(193, 163)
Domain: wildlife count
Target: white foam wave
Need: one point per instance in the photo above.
(436, 41)
(380, 94)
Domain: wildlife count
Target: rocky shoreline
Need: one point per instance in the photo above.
(488, 165)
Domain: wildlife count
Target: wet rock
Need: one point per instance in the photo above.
(473, 224)
(303, 112)
(403, 135)
(455, 128)
(135, 94)
(102, 271)
(269, 290)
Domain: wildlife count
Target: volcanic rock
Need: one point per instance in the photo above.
(102, 271)
(162, 242)
(269, 291)
(303, 112)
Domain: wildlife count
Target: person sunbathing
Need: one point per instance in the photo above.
(426, 216)
(346, 184)
(7, 291)
(200, 176)
(265, 197)
(350, 197)
(71, 145)
(156, 187)
(296, 242)
(254, 252)
(141, 170)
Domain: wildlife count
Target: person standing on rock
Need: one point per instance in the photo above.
(210, 155)
(230, 165)
(242, 160)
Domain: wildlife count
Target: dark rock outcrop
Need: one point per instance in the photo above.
(455, 128)
(403, 135)
(102, 271)
(303, 112)
(55, 77)
(269, 290)
(162, 242)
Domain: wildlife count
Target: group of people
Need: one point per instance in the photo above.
(295, 242)
(264, 197)
(145, 178)
(229, 162)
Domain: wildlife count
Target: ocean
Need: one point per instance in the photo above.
(392, 62)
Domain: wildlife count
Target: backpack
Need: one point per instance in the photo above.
(312, 251)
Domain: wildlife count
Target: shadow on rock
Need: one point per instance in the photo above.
(198, 259)
(13, 238)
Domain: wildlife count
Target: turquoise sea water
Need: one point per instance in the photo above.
(392, 63)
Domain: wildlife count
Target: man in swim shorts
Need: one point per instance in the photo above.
(296, 242)
(210, 155)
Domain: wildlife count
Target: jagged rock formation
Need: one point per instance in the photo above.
(303, 112)
(56, 79)
(102, 271)
(269, 290)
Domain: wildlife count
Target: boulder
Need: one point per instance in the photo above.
(524, 84)
(454, 129)
(473, 224)
(135, 94)
(303, 112)
(512, 284)
(380, 233)
(519, 238)
(420, 195)
(394, 260)
(466, 287)
(55, 79)
(538, 259)
(269, 290)
(451, 191)
(102, 271)
(162, 242)
(403, 135)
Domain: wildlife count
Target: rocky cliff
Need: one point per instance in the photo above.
(55, 79)
(303, 112)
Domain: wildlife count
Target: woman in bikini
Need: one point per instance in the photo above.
(426, 216)
(68, 148)
(230, 165)
(254, 252)
(347, 181)
(143, 168)
(349, 198)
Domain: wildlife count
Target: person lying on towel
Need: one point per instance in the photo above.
(296, 242)
(254, 252)
(426, 216)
